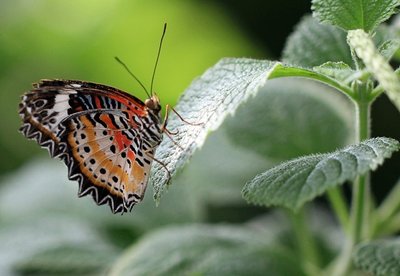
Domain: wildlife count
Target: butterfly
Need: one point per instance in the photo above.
(106, 137)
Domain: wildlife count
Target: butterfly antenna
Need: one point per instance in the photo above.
(133, 75)
(158, 56)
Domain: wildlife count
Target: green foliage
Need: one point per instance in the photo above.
(295, 182)
(389, 48)
(379, 257)
(261, 126)
(376, 64)
(66, 260)
(337, 70)
(211, 98)
(53, 244)
(354, 14)
(204, 250)
(350, 66)
(38, 234)
(313, 44)
(259, 246)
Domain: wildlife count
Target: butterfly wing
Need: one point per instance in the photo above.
(99, 132)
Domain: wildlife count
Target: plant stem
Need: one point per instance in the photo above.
(339, 206)
(389, 209)
(360, 190)
(363, 118)
(360, 195)
(358, 209)
(305, 241)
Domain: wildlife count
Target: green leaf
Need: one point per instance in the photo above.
(354, 14)
(207, 250)
(379, 257)
(313, 43)
(22, 241)
(63, 219)
(295, 182)
(66, 260)
(389, 48)
(231, 167)
(337, 70)
(386, 40)
(290, 118)
(210, 99)
(388, 214)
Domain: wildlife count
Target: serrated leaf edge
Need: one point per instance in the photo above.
(324, 158)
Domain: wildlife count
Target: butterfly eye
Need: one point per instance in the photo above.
(152, 104)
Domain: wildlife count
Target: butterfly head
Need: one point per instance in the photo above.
(153, 103)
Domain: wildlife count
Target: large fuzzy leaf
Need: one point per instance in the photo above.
(291, 118)
(295, 182)
(312, 44)
(354, 14)
(207, 250)
(210, 99)
(379, 257)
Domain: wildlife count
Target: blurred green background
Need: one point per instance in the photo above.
(39, 210)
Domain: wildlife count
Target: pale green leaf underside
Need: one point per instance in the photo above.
(389, 48)
(293, 183)
(66, 259)
(379, 257)
(337, 70)
(291, 118)
(354, 14)
(205, 250)
(212, 97)
(387, 40)
(313, 43)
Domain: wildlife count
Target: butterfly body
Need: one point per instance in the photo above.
(105, 136)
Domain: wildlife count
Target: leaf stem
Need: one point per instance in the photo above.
(358, 209)
(281, 70)
(306, 243)
(360, 189)
(389, 209)
(360, 197)
(363, 118)
(339, 206)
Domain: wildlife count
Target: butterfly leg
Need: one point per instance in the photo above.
(173, 141)
(165, 122)
(159, 162)
(182, 119)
